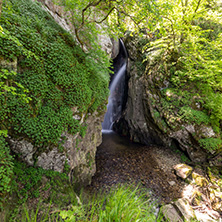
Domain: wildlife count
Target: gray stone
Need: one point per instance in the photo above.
(115, 49)
(53, 160)
(105, 42)
(170, 213)
(82, 151)
(24, 148)
(207, 131)
(185, 209)
(78, 152)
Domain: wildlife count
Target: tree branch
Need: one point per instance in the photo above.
(131, 17)
(1, 1)
(105, 16)
(198, 5)
(91, 4)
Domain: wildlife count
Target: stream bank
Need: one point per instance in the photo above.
(183, 192)
(120, 161)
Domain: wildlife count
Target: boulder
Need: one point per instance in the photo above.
(183, 170)
(185, 209)
(170, 213)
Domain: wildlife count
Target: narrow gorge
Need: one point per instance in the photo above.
(97, 96)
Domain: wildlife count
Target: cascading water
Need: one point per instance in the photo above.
(117, 88)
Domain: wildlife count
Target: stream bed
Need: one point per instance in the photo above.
(120, 161)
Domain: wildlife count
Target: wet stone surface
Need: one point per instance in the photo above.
(120, 161)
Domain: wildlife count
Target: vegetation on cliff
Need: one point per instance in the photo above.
(190, 35)
(58, 77)
(46, 77)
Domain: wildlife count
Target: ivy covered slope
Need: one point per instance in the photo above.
(181, 79)
(56, 78)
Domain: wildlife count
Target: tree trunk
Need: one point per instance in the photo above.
(1, 1)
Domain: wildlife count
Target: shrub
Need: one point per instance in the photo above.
(6, 170)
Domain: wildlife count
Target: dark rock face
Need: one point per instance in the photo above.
(146, 118)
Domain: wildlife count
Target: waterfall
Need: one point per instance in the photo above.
(117, 88)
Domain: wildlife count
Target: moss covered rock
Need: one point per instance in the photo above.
(162, 110)
(65, 91)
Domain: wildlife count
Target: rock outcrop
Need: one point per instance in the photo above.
(201, 197)
(61, 16)
(77, 152)
(150, 116)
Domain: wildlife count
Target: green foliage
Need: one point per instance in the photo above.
(31, 215)
(184, 32)
(211, 144)
(53, 72)
(6, 170)
(121, 204)
(124, 203)
(37, 184)
(189, 35)
(196, 116)
(27, 181)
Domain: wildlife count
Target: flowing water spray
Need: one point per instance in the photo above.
(117, 88)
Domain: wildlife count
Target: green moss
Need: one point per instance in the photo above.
(211, 144)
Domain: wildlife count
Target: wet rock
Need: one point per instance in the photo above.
(183, 170)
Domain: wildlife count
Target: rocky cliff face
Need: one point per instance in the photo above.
(149, 116)
(75, 151)
(108, 45)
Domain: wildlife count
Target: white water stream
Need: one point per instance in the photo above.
(117, 88)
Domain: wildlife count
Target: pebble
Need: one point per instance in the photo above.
(172, 182)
